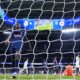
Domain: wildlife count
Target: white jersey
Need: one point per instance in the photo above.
(25, 67)
(77, 61)
(25, 64)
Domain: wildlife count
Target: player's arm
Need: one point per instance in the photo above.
(8, 39)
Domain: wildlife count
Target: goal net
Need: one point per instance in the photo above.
(39, 39)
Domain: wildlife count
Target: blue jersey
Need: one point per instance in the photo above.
(16, 39)
(17, 35)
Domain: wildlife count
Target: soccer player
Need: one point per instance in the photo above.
(31, 68)
(55, 68)
(25, 67)
(44, 66)
(15, 39)
(68, 70)
(77, 64)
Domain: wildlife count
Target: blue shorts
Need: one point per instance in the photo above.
(16, 45)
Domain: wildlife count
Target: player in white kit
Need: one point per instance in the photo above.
(77, 64)
(25, 67)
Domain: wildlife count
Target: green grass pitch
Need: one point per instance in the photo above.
(38, 77)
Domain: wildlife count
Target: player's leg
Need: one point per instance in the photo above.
(77, 71)
(16, 58)
(21, 70)
(24, 69)
(12, 51)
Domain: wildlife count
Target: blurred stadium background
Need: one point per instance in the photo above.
(49, 43)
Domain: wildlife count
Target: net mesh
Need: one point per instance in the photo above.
(48, 50)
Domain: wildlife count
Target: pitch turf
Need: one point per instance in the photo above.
(38, 77)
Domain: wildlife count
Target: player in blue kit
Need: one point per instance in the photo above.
(15, 39)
